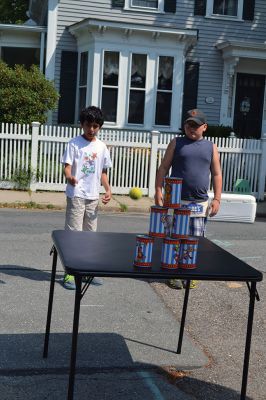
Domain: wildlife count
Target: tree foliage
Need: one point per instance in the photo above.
(25, 95)
(13, 11)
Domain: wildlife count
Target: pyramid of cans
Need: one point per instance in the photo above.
(179, 250)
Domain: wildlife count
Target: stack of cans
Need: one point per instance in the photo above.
(179, 250)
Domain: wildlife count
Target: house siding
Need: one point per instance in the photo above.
(210, 31)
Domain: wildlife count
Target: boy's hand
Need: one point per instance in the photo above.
(72, 180)
(158, 197)
(214, 207)
(106, 197)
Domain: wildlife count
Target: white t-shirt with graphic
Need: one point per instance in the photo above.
(87, 160)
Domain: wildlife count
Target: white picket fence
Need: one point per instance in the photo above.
(135, 155)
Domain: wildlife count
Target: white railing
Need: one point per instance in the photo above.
(135, 155)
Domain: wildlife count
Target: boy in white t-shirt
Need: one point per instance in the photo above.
(86, 160)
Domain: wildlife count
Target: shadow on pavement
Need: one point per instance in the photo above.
(105, 370)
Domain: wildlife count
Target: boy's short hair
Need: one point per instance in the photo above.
(91, 114)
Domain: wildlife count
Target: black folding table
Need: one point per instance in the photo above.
(91, 254)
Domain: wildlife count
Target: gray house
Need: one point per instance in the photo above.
(145, 62)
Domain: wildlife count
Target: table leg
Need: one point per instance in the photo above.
(183, 319)
(248, 340)
(50, 303)
(78, 297)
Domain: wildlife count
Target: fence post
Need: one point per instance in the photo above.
(34, 154)
(262, 169)
(153, 162)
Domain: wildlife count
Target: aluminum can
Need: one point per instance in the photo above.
(158, 221)
(172, 192)
(180, 227)
(143, 253)
(188, 253)
(170, 253)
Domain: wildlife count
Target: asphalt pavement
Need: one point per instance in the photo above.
(128, 330)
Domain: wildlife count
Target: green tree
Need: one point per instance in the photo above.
(13, 11)
(25, 95)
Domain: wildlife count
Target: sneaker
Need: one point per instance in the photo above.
(175, 283)
(95, 281)
(69, 282)
(193, 284)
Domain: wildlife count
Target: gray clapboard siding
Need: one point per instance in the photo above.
(210, 31)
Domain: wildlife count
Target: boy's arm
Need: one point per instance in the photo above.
(162, 172)
(71, 179)
(104, 179)
(216, 181)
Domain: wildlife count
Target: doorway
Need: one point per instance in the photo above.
(249, 101)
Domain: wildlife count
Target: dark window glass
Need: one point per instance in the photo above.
(145, 3)
(163, 108)
(111, 68)
(83, 69)
(225, 7)
(136, 107)
(19, 55)
(109, 104)
(165, 75)
(138, 71)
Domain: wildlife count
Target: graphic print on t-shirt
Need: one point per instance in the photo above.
(88, 164)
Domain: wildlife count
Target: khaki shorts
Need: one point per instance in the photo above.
(81, 214)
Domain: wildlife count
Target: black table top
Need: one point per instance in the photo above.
(112, 254)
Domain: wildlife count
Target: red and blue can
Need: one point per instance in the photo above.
(170, 253)
(188, 253)
(180, 227)
(143, 253)
(172, 192)
(158, 221)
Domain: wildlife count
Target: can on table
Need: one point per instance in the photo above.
(158, 221)
(188, 253)
(170, 253)
(143, 253)
(180, 228)
(172, 192)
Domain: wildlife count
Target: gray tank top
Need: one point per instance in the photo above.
(192, 162)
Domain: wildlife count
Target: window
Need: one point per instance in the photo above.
(148, 5)
(83, 72)
(227, 8)
(164, 91)
(145, 3)
(137, 89)
(110, 85)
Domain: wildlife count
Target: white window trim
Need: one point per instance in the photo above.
(129, 6)
(209, 11)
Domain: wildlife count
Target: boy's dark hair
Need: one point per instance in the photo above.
(91, 114)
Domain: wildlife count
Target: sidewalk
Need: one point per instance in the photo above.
(118, 203)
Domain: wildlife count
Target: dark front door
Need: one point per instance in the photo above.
(249, 105)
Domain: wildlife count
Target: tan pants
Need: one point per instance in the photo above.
(81, 214)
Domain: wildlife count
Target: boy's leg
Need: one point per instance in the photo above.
(90, 215)
(74, 221)
(74, 214)
(90, 224)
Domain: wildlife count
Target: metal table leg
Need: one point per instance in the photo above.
(248, 340)
(183, 319)
(78, 297)
(50, 303)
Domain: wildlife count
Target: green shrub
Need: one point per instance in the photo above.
(25, 95)
(218, 131)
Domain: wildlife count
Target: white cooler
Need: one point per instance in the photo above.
(236, 208)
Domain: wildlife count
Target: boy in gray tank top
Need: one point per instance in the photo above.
(193, 159)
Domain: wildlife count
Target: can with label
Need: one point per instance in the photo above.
(172, 192)
(180, 227)
(143, 253)
(158, 221)
(188, 253)
(170, 253)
